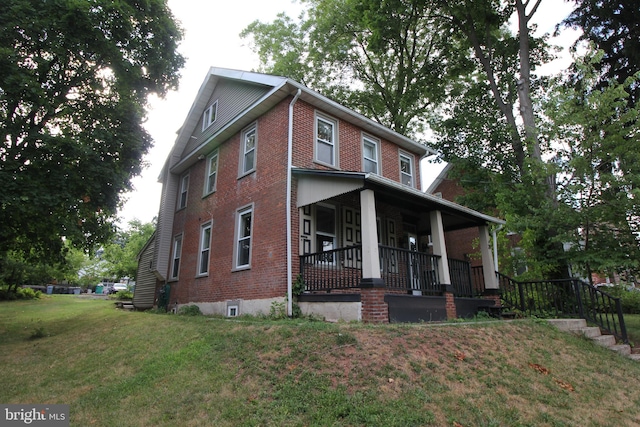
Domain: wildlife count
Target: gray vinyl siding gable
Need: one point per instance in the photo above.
(233, 98)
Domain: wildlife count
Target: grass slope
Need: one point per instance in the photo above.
(119, 368)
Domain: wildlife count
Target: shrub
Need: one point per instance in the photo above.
(20, 293)
(189, 310)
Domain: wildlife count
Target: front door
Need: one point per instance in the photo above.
(414, 263)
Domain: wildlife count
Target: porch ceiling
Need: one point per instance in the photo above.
(317, 185)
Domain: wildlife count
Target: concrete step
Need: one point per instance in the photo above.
(634, 356)
(623, 349)
(605, 340)
(568, 324)
(589, 331)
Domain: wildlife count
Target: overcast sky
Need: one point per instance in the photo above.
(211, 38)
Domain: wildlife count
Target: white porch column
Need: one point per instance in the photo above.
(440, 247)
(489, 269)
(370, 256)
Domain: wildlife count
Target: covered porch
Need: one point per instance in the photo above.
(380, 248)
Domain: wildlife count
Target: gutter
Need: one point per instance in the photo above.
(289, 177)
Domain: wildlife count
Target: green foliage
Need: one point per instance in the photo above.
(74, 81)
(386, 60)
(122, 296)
(278, 310)
(121, 253)
(629, 298)
(189, 310)
(8, 293)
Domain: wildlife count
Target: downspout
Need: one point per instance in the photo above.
(495, 246)
(289, 165)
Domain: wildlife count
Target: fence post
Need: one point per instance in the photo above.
(623, 327)
(521, 293)
(576, 289)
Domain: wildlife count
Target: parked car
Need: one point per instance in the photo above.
(118, 287)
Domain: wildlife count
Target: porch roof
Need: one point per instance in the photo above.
(318, 185)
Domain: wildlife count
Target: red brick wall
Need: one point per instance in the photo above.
(350, 146)
(266, 190)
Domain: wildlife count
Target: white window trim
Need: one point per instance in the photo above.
(243, 149)
(413, 168)
(207, 190)
(236, 238)
(335, 143)
(202, 248)
(376, 145)
(176, 255)
(206, 116)
(184, 189)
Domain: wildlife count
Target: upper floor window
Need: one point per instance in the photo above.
(209, 115)
(244, 222)
(406, 169)
(370, 155)
(326, 140)
(248, 151)
(184, 188)
(205, 249)
(212, 172)
(177, 253)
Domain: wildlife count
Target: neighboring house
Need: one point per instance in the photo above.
(270, 183)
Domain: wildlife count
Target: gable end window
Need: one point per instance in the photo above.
(249, 143)
(406, 169)
(212, 173)
(205, 249)
(244, 230)
(370, 155)
(326, 141)
(209, 116)
(184, 188)
(177, 253)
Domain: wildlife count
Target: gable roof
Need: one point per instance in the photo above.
(279, 88)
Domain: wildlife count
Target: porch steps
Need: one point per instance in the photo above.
(579, 327)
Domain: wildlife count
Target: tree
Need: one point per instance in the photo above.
(599, 156)
(387, 60)
(612, 26)
(121, 254)
(74, 82)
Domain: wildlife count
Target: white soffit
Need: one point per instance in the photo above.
(314, 188)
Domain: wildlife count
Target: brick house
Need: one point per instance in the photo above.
(270, 184)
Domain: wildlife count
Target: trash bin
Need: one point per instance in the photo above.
(99, 289)
(49, 289)
(76, 291)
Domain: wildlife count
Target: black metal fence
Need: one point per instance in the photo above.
(460, 274)
(565, 298)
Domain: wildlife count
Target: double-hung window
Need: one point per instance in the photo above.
(370, 155)
(177, 253)
(184, 188)
(209, 115)
(244, 229)
(205, 249)
(326, 140)
(406, 169)
(212, 172)
(248, 160)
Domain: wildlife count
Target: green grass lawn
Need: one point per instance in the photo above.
(122, 368)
